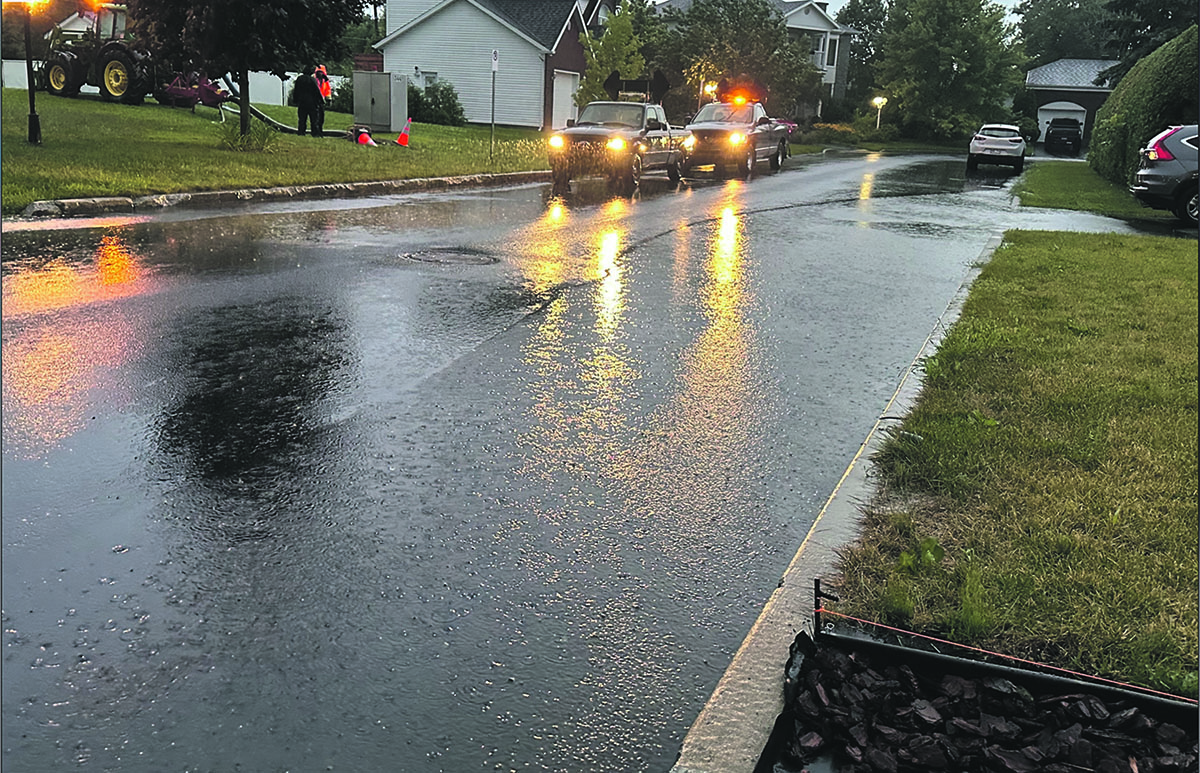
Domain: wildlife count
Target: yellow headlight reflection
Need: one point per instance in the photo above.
(557, 142)
(689, 142)
(616, 144)
(737, 138)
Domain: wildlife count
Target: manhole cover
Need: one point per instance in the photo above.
(457, 255)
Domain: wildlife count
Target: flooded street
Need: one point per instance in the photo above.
(474, 480)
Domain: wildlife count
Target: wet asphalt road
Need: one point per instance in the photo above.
(444, 482)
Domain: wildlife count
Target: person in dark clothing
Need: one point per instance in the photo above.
(308, 102)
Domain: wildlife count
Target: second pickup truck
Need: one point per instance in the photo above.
(618, 140)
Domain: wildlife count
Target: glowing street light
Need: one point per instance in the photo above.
(35, 123)
(708, 89)
(878, 102)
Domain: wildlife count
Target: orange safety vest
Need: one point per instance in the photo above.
(323, 83)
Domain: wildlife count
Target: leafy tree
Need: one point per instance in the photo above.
(235, 36)
(1063, 29)
(12, 31)
(868, 18)
(716, 38)
(947, 65)
(1137, 28)
(616, 49)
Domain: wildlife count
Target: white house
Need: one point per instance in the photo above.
(530, 47)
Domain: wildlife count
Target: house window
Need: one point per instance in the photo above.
(831, 55)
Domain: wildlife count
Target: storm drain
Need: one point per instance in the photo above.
(450, 256)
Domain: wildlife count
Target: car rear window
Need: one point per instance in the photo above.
(992, 131)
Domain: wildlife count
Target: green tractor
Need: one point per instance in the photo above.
(99, 55)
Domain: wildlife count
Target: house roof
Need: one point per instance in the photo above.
(541, 22)
(787, 8)
(1074, 74)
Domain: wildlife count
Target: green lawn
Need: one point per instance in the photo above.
(1073, 185)
(93, 148)
(1044, 488)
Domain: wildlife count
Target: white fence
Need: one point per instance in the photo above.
(265, 88)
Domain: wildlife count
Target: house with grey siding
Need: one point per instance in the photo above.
(810, 25)
(531, 46)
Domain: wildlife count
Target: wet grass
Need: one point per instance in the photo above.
(93, 148)
(1073, 185)
(1041, 497)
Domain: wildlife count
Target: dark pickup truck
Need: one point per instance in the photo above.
(618, 140)
(735, 133)
(1065, 135)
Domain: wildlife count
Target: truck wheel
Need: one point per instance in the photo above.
(59, 79)
(745, 166)
(778, 156)
(116, 76)
(560, 180)
(972, 162)
(626, 180)
(673, 173)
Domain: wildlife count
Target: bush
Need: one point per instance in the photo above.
(261, 139)
(342, 100)
(438, 104)
(1159, 91)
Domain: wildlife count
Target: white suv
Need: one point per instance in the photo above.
(997, 143)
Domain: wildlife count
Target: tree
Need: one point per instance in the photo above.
(1063, 29)
(716, 38)
(614, 50)
(948, 65)
(235, 36)
(868, 18)
(1137, 28)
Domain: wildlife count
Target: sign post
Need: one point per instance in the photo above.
(495, 67)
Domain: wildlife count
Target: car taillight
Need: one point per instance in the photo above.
(1158, 151)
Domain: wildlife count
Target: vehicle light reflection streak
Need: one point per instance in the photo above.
(48, 375)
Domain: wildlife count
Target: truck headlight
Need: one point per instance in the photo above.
(689, 142)
(556, 142)
(736, 138)
(616, 144)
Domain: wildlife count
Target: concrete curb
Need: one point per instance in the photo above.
(732, 730)
(110, 205)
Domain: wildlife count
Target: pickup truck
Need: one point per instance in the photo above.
(1065, 134)
(618, 140)
(735, 132)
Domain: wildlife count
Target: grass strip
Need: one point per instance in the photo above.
(1041, 497)
(94, 148)
(1074, 185)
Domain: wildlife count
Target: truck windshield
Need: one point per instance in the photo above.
(720, 112)
(610, 113)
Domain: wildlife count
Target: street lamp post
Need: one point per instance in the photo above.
(35, 123)
(878, 102)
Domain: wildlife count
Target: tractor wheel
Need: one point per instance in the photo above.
(60, 80)
(117, 76)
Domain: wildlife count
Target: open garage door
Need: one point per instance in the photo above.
(1052, 110)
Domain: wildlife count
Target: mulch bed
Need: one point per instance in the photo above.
(853, 709)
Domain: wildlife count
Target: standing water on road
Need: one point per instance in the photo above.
(441, 482)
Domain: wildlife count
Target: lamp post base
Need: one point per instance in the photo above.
(35, 129)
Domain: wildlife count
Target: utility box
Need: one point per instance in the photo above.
(380, 100)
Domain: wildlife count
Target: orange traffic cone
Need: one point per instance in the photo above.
(365, 139)
(402, 140)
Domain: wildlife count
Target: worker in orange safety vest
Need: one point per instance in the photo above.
(326, 89)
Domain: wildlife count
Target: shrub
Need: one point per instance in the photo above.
(261, 139)
(342, 100)
(1159, 91)
(439, 104)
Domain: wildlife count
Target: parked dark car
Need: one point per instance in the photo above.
(618, 140)
(1167, 173)
(1063, 135)
(735, 134)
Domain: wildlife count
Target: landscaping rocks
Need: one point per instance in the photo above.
(856, 710)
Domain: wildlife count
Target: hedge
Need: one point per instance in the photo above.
(1159, 91)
